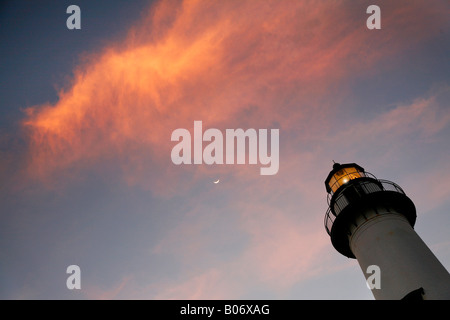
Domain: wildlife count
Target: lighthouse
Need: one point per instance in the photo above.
(372, 220)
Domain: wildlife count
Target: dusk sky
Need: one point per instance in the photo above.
(86, 117)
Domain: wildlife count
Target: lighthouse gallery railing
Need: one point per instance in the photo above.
(341, 201)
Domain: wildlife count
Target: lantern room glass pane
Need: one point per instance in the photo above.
(343, 176)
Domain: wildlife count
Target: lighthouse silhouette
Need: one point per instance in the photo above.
(373, 220)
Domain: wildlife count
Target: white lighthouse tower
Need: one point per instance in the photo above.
(372, 220)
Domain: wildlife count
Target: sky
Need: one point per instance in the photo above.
(86, 176)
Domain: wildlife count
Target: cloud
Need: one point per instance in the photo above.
(422, 118)
(90, 291)
(196, 63)
(212, 284)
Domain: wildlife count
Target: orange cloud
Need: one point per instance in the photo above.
(228, 63)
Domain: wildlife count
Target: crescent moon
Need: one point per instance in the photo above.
(216, 182)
